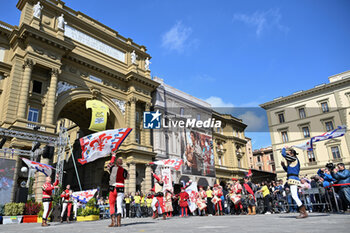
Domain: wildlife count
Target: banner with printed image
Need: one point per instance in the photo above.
(99, 115)
(7, 171)
(197, 154)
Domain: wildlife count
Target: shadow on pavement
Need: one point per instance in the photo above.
(310, 216)
(136, 223)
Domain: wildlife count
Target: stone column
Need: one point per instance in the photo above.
(132, 118)
(132, 177)
(23, 96)
(51, 96)
(126, 184)
(148, 178)
(147, 131)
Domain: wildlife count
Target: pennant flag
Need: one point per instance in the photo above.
(249, 174)
(175, 163)
(40, 167)
(338, 132)
(84, 196)
(99, 115)
(101, 144)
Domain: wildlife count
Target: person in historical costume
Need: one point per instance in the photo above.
(236, 195)
(202, 201)
(169, 203)
(293, 169)
(183, 201)
(66, 203)
(217, 193)
(248, 188)
(47, 198)
(116, 189)
(158, 204)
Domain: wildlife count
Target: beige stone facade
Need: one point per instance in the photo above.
(47, 73)
(296, 118)
(230, 150)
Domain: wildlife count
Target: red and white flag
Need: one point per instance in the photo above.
(175, 163)
(40, 167)
(101, 144)
(167, 180)
(192, 191)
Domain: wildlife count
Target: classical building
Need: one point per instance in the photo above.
(171, 142)
(230, 148)
(296, 118)
(263, 160)
(249, 151)
(52, 63)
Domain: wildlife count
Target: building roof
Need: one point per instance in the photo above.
(335, 80)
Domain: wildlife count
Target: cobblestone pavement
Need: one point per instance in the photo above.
(316, 222)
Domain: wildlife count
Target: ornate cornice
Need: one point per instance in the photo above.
(25, 31)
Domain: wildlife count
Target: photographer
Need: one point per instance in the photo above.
(342, 176)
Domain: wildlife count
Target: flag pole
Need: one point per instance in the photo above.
(75, 166)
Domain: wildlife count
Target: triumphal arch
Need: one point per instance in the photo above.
(54, 61)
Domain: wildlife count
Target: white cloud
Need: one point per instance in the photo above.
(254, 122)
(177, 38)
(262, 20)
(218, 102)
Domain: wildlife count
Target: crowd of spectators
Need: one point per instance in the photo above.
(321, 192)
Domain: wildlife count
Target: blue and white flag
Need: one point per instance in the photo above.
(84, 196)
(338, 132)
(40, 167)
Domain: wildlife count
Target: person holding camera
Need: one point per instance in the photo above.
(293, 169)
(342, 175)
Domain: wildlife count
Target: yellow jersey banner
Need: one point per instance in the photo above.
(99, 115)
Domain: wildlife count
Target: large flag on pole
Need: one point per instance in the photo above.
(167, 180)
(40, 167)
(338, 132)
(175, 163)
(101, 144)
(192, 191)
(84, 196)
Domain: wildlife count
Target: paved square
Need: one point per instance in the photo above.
(259, 223)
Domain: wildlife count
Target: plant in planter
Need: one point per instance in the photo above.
(89, 213)
(13, 213)
(31, 211)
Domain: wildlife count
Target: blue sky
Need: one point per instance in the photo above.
(231, 53)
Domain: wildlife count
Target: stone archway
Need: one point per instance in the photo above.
(72, 102)
(71, 105)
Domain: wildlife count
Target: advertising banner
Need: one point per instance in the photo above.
(7, 171)
(198, 154)
(99, 115)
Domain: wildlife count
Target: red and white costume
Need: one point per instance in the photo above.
(47, 199)
(158, 199)
(202, 200)
(116, 187)
(236, 195)
(217, 192)
(168, 202)
(66, 203)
